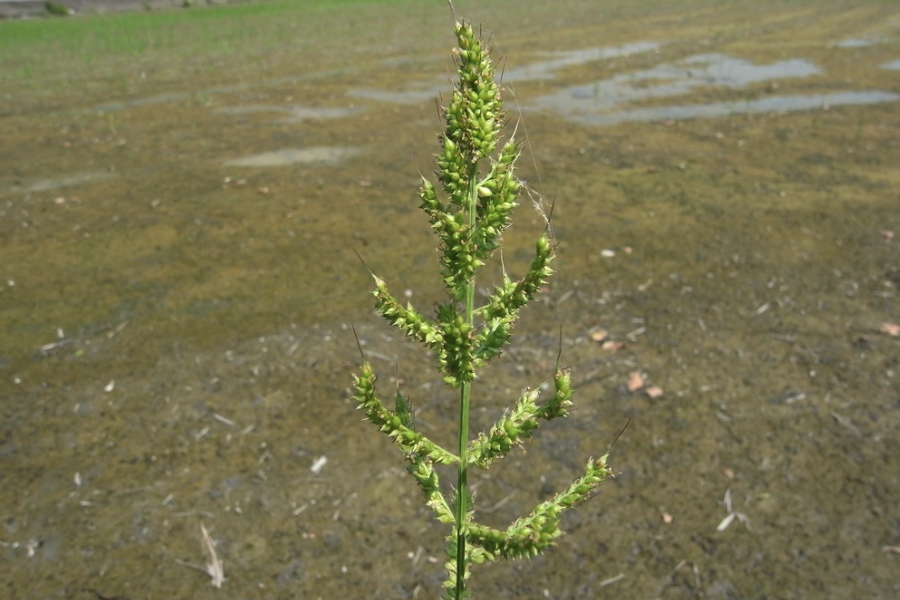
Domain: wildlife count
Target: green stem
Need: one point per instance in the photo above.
(462, 495)
(462, 470)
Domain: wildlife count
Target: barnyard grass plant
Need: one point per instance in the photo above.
(480, 190)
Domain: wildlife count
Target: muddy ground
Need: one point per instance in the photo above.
(179, 278)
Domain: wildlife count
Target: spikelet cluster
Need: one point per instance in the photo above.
(518, 425)
(397, 424)
(477, 210)
(530, 535)
(475, 114)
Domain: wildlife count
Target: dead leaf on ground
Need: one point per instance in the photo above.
(654, 391)
(612, 345)
(891, 329)
(599, 335)
(635, 381)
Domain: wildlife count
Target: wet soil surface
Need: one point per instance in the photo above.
(177, 253)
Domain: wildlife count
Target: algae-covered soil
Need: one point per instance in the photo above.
(182, 195)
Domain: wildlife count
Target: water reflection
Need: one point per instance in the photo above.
(425, 92)
(319, 155)
(293, 113)
(723, 109)
(547, 69)
(855, 43)
(44, 185)
(605, 102)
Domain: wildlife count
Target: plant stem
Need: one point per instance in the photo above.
(462, 488)
(462, 494)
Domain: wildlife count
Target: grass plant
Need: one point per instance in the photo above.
(56, 10)
(476, 175)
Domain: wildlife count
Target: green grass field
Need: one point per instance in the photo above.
(50, 54)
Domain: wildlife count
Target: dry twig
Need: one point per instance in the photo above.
(214, 567)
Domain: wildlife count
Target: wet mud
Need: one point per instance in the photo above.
(178, 280)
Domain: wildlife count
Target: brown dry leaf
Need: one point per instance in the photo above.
(891, 329)
(654, 391)
(612, 346)
(635, 381)
(667, 518)
(599, 335)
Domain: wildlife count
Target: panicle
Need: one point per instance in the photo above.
(475, 113)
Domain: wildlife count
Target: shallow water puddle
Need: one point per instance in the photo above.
(723, 109)
(894, 65)
(44, 185)
(293, 113)
(542, 70)
(856, 43)
(318, 155)
(547, 69)
(605, 102)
